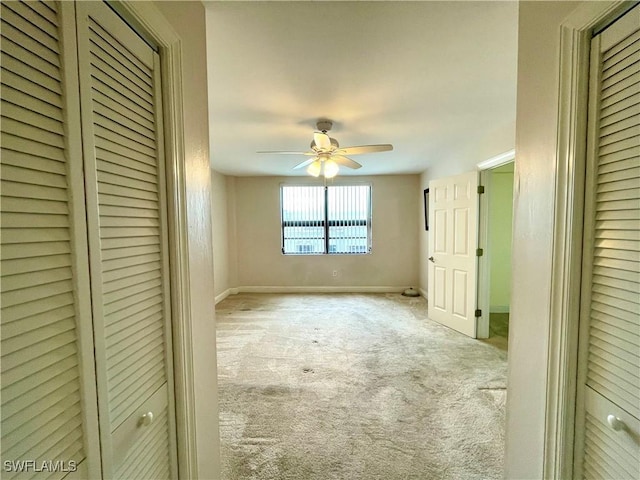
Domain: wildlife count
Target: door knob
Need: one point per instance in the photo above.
(146, 419)
(432, 260)
(615, 423)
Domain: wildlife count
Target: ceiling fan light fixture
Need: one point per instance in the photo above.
(315, 168)
(330, 169)
(326, 154)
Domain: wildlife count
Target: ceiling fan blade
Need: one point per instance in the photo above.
(322, 141)
(344, 161)
(305, 163)
(365, 149)
(290, 153)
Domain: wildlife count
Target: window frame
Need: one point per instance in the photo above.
(325, 223)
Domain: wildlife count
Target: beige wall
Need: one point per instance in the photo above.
(187, 19)
(232, 230)
(536, 120)
(392, 263)
(220, 229)
(500, 224)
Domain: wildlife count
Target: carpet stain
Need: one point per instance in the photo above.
(385, 393)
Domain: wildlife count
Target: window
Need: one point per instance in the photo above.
(334, 219)
(305, 248)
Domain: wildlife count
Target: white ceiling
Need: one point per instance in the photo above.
(435, 79)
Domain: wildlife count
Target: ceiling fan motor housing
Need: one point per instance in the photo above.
(324, 125)
(334, 143)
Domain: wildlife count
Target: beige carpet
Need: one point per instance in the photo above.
(355, 386)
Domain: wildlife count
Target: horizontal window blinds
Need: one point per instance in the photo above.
(42, 408)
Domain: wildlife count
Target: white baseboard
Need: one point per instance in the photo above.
(499, 309)
(423, 292)
(316, 289)
(321, 289)
(225, 294)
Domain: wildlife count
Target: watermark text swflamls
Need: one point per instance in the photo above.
(23, 466)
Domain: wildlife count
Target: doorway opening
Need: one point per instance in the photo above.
(495, 236)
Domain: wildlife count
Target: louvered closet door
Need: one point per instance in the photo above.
(48, 387)
(609, 411)
(119, 80)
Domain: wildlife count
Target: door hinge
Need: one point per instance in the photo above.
(480, 189)
(479, 252)
(478, 313)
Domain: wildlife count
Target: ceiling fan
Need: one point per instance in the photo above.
(327, 154)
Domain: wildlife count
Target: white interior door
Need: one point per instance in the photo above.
(453, 218)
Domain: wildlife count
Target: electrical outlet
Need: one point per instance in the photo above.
(335, 273)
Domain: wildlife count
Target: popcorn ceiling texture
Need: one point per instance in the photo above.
(355, 386)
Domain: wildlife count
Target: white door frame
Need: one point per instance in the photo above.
(484, 261)
(576, 32)
(147, 20)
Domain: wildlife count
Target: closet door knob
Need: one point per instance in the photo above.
(615, 423)
(146, 419)
(432, 260)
